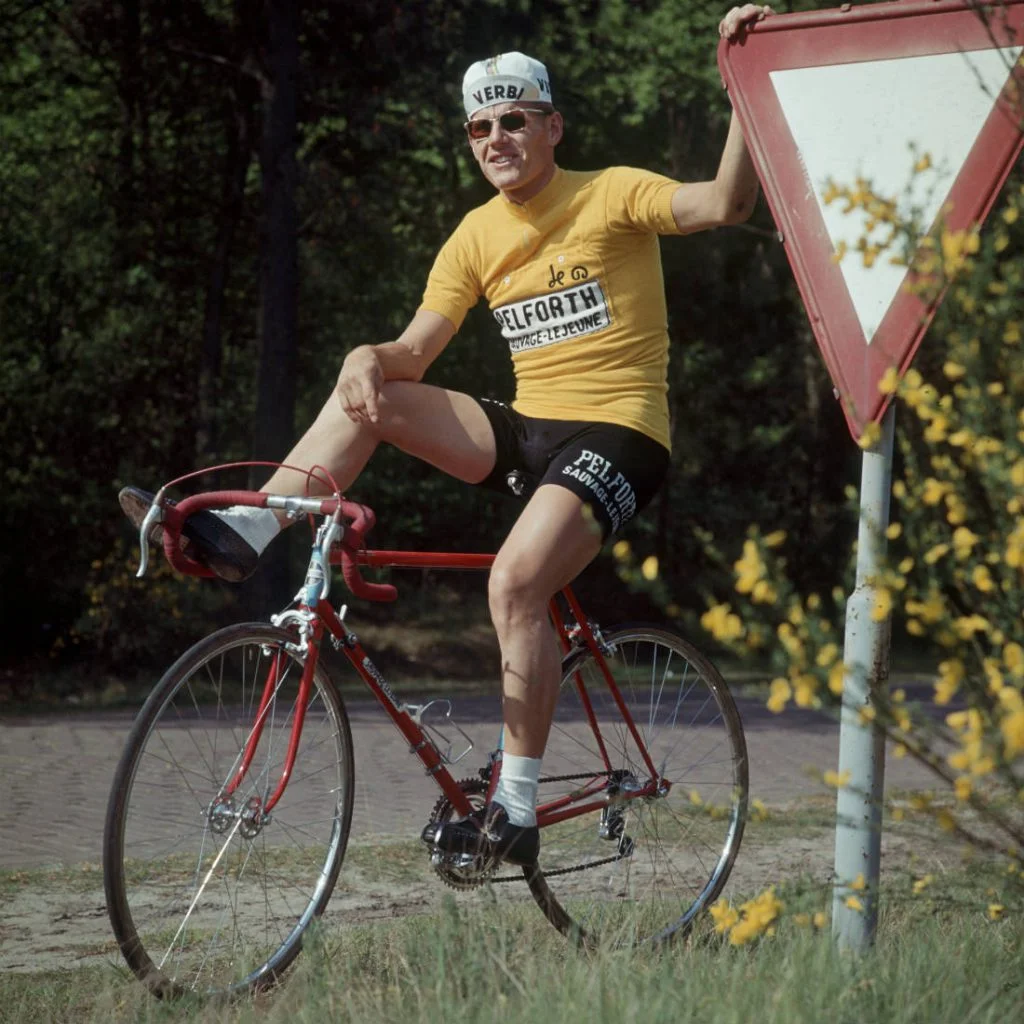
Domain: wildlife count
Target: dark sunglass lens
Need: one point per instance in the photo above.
(480, 128)
(513, 121)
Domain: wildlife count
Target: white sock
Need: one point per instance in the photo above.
(257, 526)
(517, 788)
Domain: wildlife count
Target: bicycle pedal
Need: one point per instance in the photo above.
(457, 861)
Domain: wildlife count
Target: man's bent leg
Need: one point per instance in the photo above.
(548, 547)
(445, 428)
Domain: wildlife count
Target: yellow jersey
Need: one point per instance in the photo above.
(573, 278)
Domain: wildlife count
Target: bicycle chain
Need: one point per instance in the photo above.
(579, 867)
(559, 871)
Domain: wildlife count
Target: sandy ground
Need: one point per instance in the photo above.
(56, 773)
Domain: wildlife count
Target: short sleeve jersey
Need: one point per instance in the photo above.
(573, 278)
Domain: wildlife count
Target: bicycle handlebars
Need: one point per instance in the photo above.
(353, 534)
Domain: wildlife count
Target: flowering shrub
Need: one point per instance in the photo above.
(953, 579)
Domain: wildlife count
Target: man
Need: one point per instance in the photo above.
(570, 266)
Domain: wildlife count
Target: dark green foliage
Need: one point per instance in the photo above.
(130, 268)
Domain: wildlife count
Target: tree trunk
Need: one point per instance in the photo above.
(274, 428)
(239, 137)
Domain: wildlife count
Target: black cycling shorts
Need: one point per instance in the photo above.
(615, 470)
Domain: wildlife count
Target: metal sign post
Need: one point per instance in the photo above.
(862, 742)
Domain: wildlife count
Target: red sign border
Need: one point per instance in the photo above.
(850, 35)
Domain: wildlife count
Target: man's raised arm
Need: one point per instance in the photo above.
(731, 197)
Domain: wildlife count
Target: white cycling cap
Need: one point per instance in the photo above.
(509, 77)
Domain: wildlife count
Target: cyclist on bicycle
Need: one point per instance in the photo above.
(570, 267)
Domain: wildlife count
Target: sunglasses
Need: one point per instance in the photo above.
(511, 121)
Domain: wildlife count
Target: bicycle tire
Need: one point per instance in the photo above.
(195, 903)
(640, 872)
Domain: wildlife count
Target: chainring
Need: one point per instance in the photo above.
(442, 811)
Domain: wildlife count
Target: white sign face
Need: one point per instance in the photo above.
(873, 120)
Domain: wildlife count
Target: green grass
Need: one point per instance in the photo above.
(937, 958)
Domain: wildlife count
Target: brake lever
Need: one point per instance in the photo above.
(153, 516)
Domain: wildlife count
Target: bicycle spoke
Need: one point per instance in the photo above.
(645, 865)
(220, 900)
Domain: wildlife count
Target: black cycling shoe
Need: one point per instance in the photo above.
(206, 538)
(489, 833)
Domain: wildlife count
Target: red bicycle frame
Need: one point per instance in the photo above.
(350, 554)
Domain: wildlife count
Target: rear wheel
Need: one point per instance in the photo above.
(205, 893)
(640, 869)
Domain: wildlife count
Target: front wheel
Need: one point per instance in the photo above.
(205, 893)
(639, 869)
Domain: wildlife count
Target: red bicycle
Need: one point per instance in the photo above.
(230, 809)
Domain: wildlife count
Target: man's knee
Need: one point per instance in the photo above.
(513, 590)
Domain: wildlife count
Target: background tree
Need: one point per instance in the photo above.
(137, 300)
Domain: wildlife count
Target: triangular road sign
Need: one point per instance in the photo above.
(865, 93)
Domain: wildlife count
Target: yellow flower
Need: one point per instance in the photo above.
(945, 821)
(791, 642)
(893, 530)
(779, 695)
(621, 549)
(804, 690)
(724, 916)
(871, 435)
(802, 920)
(775, 538)
(764, 593)
(649, 570)
(827, 655)
(1013, 655)
(749, 568)
(954, 371)
(951, 674)
(922, 883)
(934, 554)
(906, 565)
(858, 884)
(853, 903)
(932, 494)
(836, 674)
(759, 915)
(995, 911)
(982, 579)
(890, 381)
(1012, 728)
(883, 604)
(936, 430)
(899, 751)
(722, 623)
(962, 788)
(836, 779)
(931, 610)
(923, 163)
(967, 625)
(963, 541)
(1010, 214)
